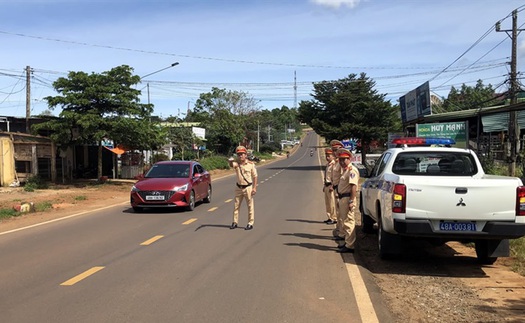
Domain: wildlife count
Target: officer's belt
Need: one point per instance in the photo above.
(344, 195)
(243, 186)
(327, 184)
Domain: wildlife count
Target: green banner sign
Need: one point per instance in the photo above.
(453, 130)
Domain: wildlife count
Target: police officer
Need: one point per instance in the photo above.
(246, 186)
(336, 175)
(347, 189)
(328, 190)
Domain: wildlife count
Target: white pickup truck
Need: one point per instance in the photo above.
(440, 194)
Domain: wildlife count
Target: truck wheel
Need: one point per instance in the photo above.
(367, 224)
(482, 252)
(389, 244)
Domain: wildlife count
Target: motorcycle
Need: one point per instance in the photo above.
(253, 158)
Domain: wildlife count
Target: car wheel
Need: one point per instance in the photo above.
(389, 244)
(207, 199)
(367, 224)
(482, 252)
(191, 202)
(138, 209)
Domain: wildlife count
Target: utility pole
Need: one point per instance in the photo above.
(258, 135)
(28, 96)
(294, 90)
(514, 129)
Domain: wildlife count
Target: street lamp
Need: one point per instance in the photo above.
(162, 69)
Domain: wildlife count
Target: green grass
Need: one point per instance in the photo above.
(8, 213)
(80, 198)
(43, 206)
(517, 250)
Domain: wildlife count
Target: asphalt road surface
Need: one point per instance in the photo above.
(114, 265)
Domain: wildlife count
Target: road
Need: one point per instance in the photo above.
(114, 265)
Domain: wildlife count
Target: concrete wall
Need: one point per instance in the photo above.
(7, 162)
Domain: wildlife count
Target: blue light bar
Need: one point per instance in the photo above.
(440, 141)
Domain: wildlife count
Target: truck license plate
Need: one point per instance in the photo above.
(457, 226)
(155, 197)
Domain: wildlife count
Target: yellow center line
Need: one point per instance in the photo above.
(150, 241)
(229, 200)
(189, 221)
(212, 209)
(85, 274)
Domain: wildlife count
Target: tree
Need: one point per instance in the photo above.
(350, 108)
(470, 97)
(97, 106)
(182, 137)
(227, 116)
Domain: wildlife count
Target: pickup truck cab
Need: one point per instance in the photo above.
(424, 190)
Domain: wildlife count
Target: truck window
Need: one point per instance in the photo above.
(380, 165)
(432, 163)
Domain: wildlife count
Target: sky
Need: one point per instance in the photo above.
(273, 50)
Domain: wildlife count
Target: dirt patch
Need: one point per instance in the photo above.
(60, 200)
(444, 284)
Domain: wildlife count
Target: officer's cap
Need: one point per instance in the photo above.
(240, 150)
(328, 151)
(344, 153)
(336, 143)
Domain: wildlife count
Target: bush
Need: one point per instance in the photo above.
(269, 148)
(215, 162)
(30, 187)
(35, 182)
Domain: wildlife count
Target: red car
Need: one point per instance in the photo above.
(172, 184)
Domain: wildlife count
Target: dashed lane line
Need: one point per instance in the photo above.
(152, 240)
(82, 276)
(189, 221)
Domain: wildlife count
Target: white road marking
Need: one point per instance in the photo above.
(364, 303)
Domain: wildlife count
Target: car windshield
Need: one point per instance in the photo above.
(169, 171)
(432, 163)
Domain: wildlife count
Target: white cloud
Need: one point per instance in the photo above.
(336, 4)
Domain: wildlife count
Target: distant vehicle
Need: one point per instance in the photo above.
(311, 152)
(172, 184)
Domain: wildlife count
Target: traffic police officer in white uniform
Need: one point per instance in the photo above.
(328, 190)
(336, 175)
(246, 186)
(347, 188)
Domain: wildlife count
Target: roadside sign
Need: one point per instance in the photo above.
(453, 130)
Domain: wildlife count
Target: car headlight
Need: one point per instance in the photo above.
(182, 188)
(134, 189)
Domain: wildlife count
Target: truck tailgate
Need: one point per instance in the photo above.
(461, 198)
